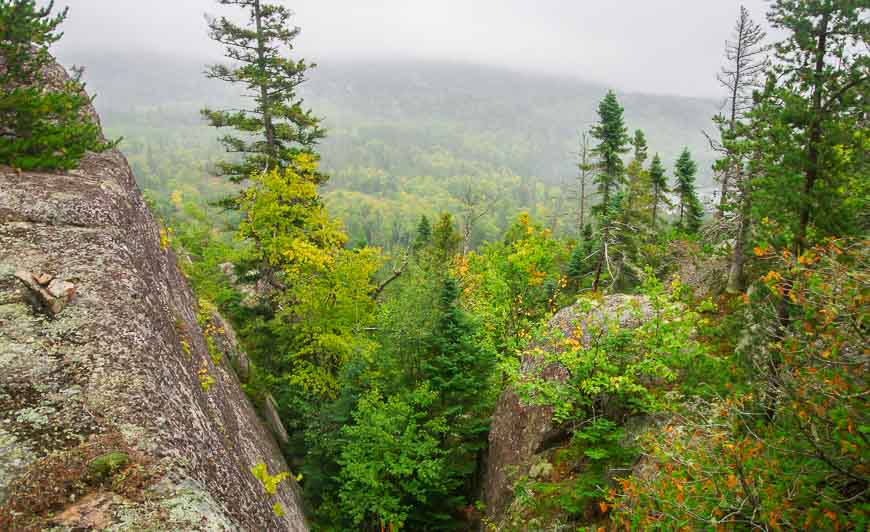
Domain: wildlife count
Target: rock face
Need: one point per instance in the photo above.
(116, 409)
(519, 432)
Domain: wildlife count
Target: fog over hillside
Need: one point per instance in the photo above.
(524, 122)
(664, 46)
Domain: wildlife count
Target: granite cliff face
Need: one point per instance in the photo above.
(119, 405)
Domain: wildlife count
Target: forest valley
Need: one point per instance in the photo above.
(737, 400)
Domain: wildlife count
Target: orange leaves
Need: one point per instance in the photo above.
(772, 277)
(759, 251)
(731, 482)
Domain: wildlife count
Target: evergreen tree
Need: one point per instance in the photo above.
(691, 211)
(636, 173)
(814, 114)
(576, 266)
(659, 184)
(41, 127)
(458, 369)
(424, 233)
(276, 129)
(585, 167)
(612, 136)
(613, 140)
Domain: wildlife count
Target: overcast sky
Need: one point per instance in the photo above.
(663, 46)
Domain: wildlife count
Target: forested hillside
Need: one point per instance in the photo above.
(485, 300)
(404, 138)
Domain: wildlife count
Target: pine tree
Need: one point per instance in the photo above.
(612, 136)
(276, 129)
(691, 211)
(660, 190)
(41, 127)
(814, 109)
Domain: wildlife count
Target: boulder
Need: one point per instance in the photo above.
(520, 432)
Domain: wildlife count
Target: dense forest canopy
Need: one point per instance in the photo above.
(470, 249)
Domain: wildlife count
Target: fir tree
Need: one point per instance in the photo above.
(691, 211)
(41, 127)
(612, 136)
(276, 129)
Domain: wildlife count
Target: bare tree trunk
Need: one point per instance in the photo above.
(738, 257)
(735, 92)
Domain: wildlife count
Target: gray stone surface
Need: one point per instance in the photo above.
(119, 368)
(519, 431)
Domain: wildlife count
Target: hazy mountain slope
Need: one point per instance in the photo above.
(390, 115)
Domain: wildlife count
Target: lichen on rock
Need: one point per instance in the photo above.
(105, 371)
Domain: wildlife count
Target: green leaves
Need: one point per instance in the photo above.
(392, 459)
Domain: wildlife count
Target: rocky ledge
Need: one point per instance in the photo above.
(118, 408)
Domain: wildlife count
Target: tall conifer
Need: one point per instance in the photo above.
(691, 211)
(612, 136)
(272, 132)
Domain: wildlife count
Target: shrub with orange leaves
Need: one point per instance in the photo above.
(789, 448)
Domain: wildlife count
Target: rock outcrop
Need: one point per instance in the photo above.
(519, 432)
(117, 410)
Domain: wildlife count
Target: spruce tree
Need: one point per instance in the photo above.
(424, 234)
(636, 173)
(691, 211)
(659, 184)
(41, 127)
(585, 167)
(612, 136)
(458, 369)
(276, 129)
(613, 140)
(743, 74)
(577, 266)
